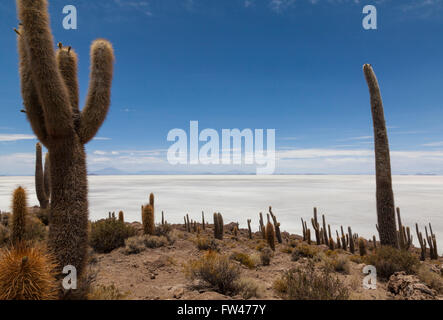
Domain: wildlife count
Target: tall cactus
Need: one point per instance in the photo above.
(50, 93)
(385, 195)
(41, 178)
(19, 213)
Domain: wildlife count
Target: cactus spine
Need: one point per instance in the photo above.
(50, 94)
(19, 213)
(27, 273)
(41, 178)
(385, 195)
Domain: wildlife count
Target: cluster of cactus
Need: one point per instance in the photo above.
(49, 89)
(384, 192)
(323, 233)
(306, 232)
(431, 242)
(148, 217)
(218, 226)
(403, 234)
(42, 178)
(276, 226)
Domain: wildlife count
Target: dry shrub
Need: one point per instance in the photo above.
(429, 277)
(102, 292)
(163, 229)
(307, 283)
(134, 245)
(250, 288)
(286, 249)
(266, 256)
(109, 234)
(154, 242)
(388, 260)
(215, 270)
(304, 251)
(338, 263)
(244, 259)
(203, 243)
(27, 273)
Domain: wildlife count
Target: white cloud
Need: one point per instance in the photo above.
(433, 144)
(16, 137)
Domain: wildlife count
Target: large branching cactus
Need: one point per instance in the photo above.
(50, 93)
(385, 195)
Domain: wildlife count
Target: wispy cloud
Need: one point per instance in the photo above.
(15, 137)
(433, 144)
(139, 5)
(279, 6)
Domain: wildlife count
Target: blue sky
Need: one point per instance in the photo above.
(290, 65)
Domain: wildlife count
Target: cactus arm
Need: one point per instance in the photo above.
(39, 181)
(67, 65)
(99, 93)
(34, 111)
(46, 77)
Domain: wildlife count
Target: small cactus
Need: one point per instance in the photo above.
(351, 241)
(218, 226)
(316, 227)
(121, 217)
(19, 213)
(148, 220)
(249, 229)
(270, 235)
(203, 221)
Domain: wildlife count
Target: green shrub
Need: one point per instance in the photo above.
(388, 260)
(215, 270)
(109, 234)
(309, 284)
(244, 259)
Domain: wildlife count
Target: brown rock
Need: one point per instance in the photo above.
(409, 287)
